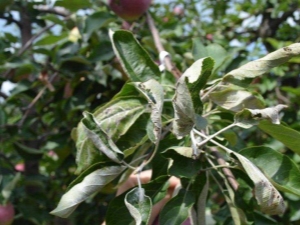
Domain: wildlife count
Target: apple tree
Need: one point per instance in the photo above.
(203, 92)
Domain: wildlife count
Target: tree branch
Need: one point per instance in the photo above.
(176, 73)
(10, 19)
(227, 172)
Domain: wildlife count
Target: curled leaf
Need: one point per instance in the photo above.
(140, 209)
(186, 101)
(249, 117)
(263, 65)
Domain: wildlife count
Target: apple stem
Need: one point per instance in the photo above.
(168, 63)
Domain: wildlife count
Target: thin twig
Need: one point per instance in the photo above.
(10, 19)
(37, 97)
(227, 172)
(3, 95)
(167, 60)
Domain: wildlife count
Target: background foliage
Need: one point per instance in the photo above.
(62, 63)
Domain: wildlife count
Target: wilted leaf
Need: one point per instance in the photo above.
(249, 117)
(100, 139)
(263, 65)
(235, 99)
(139, 205)
(285, 174)
(118, 115)
(91, 184)
(176, 211)
(267, 196)
(187, 101)
(134, 59)
(288, 136)
(154, 94)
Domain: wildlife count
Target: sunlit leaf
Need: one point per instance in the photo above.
(249, 117)
(134, 59)
(263, 65)
(235, 98)
(288, 136)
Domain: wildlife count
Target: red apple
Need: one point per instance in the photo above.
(7, 213)
(129, 9)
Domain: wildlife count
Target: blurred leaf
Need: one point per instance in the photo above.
(267, 196)
(51, 39)
(27, 152)
(186, 101)
(215, 51)
(263, 65)
(96, 21)
(76, 4)
(91, 184)
(285, 174)
(286, 135)
(134, 59)
(8, 188)
(176, 211)
(139, 205)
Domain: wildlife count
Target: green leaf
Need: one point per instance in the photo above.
(286, 135)
(154, 94)
(134, 59)
(186, 101)
(263, 65)
(235, 98)
(139, 205)
(182, 159)
(28, 152)
(176, 211)
(100, 139)
(91, 184)
(215, 51)
(285, 174)
(96, 21)
(51, 39)
(267, 196)
(75, 5)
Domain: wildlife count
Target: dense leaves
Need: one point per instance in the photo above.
(96, 102)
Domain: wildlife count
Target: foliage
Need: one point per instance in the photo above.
(227, 128)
